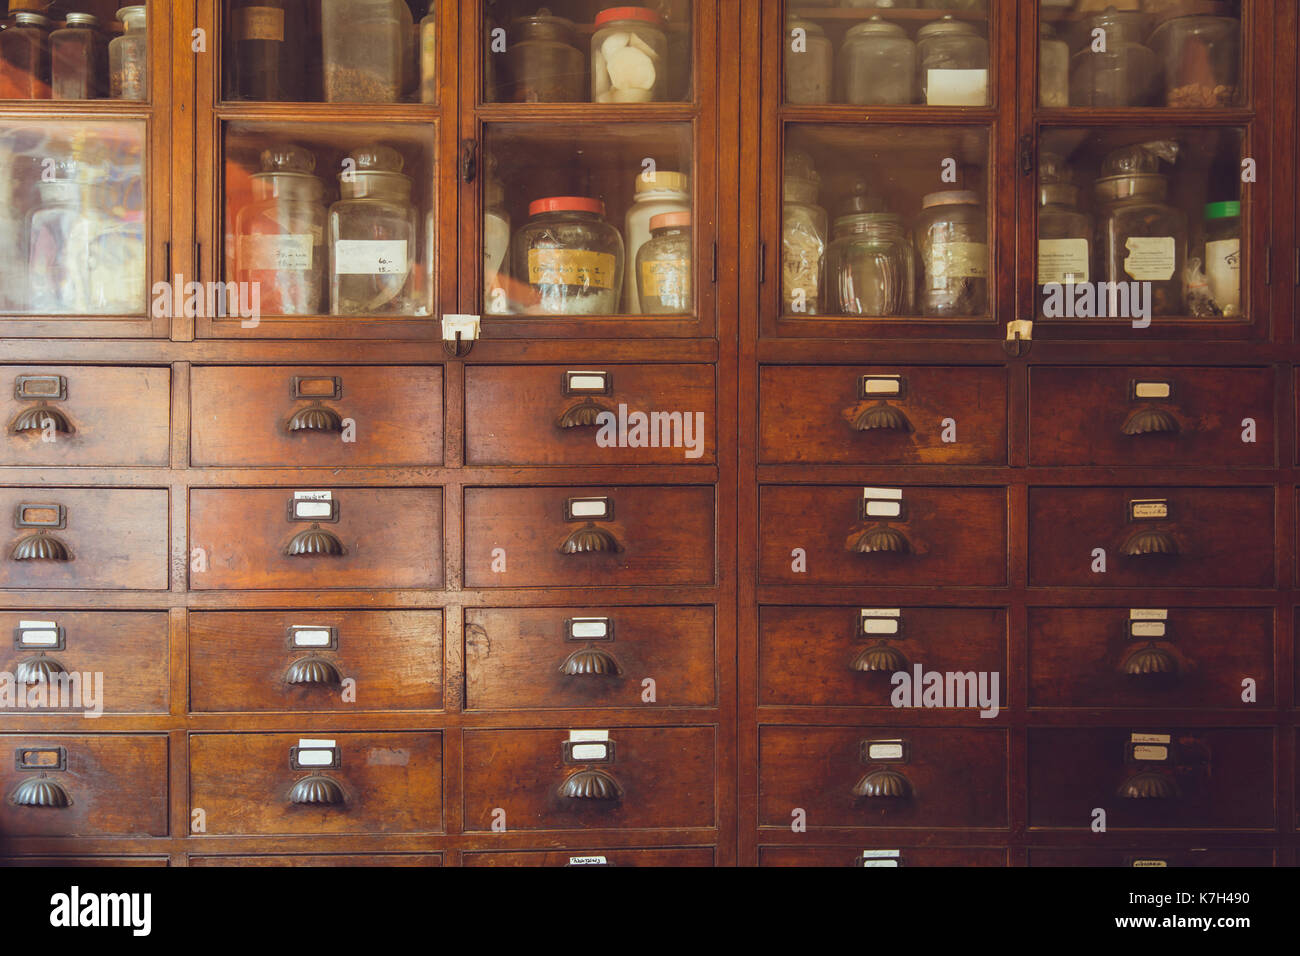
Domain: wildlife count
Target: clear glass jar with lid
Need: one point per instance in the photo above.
(952, 246)
(1064, 233)
(1223, 255)
(629, 56)
(364, 50)
(877, 64)
(372, 236)
(871, 265)
(496, 240)
(128, 57)
(952, 64)
(656, 193)
(25, 57)
(1199, 47)
(1121, 71)
(808, 62)
(1053, 69)
(280, 235)
(804, 235)
(78, 59)
(663, 266)
(568, 258)
(543, 62)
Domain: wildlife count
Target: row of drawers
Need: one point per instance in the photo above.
(558, 658)
(641, 778)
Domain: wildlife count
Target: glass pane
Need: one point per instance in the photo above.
(331, 219)
(72, 217)
(587, 51)
(1140, 223)
(97, 52)
(1176, 53)
(887, 52)
(886, 221)
(589, 220)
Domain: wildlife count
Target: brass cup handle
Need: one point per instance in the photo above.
(1149, 785)
(591, 661)
(316, 417)
(314, 542)
(591, 784)
(37, 418)
(589, 539)
(879, 539)
(1151, 420)
(317, 790)
(1151, 662)
(880, 417)
(41, 792)
(883, 784)
(40, 546)
(1148, 542)
(584, 414)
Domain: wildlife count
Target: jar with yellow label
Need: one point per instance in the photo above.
(663, 266)
(567, 258)
(951, 239)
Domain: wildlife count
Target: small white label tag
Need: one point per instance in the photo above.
(882, 494)
(885, 750)
(884, 509)
(1143, 864)
(38, 637)
(312, 509)
(588, 381)
(1152, 629)
(880, 620)
(588, 861)
(1152, 390)
(881, 858)
(276, 253)
(1155, 508)
(307, 636)
(1150, 752)
(37, 625)
(882, 384)
(956, 87)
(589, 751)
(589, 508)
(1150, 739)
(370, 257)
(313, 496)
(315, 753)
(1148, 614)
(591, 628)
(585, 736)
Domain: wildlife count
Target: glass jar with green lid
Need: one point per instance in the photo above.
(1223, 255)
(953, 249)
(804, 234)
(952, 64)
(568, 258)
(877, 64)
(372, 236)
(809, 63)
(663, 266)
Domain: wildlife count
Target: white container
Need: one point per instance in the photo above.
(629, 56)
(666, 192)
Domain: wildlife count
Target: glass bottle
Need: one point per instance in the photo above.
(128, 57)
(809, 66)
(804, 234)
(280, 235)
(1201, 57)
(877, 64)
(268, 46)
(543, 61)
(362, 50)
(569, 259)
(952, 65)
(372, 237)
(1122, 74)
(954, 253)
(25, 58)
(870, 265)
(1053, 69)
(663, 266)
(78, 59)
(496, 241)
(629, 56)
(1223, 255)
(664, 192)
(1064, 234)
(429, 57)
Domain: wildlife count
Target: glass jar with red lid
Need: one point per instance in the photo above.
(567, 259)
(629, 56)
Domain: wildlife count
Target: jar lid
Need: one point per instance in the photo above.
(670, 220)
(878, 219)
(808, 26)
(862, 201)
(946, 26)
(566, 204)
(1053, 169)
(664, 181)
(643, 14)
(875, 25)
(82, 20)
(542, 25)
(30, 18)
(287, 159)
(376, 158)
(125, 13)
(1222, 210)
(800, 165)
(951, 197)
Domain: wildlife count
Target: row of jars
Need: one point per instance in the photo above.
(75, 61)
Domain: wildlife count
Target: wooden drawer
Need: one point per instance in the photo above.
(80, 861)
(871, 415)
(61, 415)
(656, 778)
(846, 656)
(1195, 657)
(1211, 537)
(129, 650)
(824, 856)
(529, 533)
(316, 416)
(322, 859)
(536, 658)
(388, 538)
(544, 415)
(1147, 858)
(315, 660)
(384, 783)
(947, 536)
(697, 856)
(1215, 778)
(85, 538)
(1120, 416)
(946, 777)
(83, 785)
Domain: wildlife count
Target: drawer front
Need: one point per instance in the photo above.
(699, 856)
(1210, 779)
(882, 415)
(316, 416)
(948, 777)
(316, 660)
(385, 783)
(534, 658)
(1152, 858)
(847, 656)
(1210, 537)
(114, 662)
(1193, 657)
(1192, 417)
(526, 534)
(382, 538)
(658, 777)
(61, 415)
(80, 861)
(830, 856)
(612, 415)
(85, 538)
(322, 859)
(947, 536)
(65, 785)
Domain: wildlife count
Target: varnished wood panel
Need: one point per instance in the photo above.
(321, 859)
(653, 857)
(836, 856)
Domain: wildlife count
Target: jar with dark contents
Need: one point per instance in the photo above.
(269, 40)
(364, 50)
(1201, 56)
(809, 67)
(663, 266)
(78, 59)
(568, 257)
(544, 63)
(25, 58)
(952, 245)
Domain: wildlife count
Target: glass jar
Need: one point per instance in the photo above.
(1201, 57)
(663, 266)
(663, 192)
(954, 253)
(429, 58)
(362, 50)
(280, 235)
(128, 57)
(877, 64)
(809, 67)
(1223, 255)
(870, 265)
(629, 53)
(804, 234)
(78, 59)
(372, 237)
(568, 257)
(496, 241)
(969, 6)
(1053, 69)
(1116, 26)
(25, 58)
(877, 4)
(1123, 75)
(952, 67)
(268, 38)
(543, 61)
(1064, 238)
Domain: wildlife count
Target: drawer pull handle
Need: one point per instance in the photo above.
(318, 790)
(591, 662)
(41, 546)
(1148, 542)
(882, 417)
(313, 670)
(41, 792)
(883, 785)
(314, 541)
(585, 414)
(34, 419)
(589, 540)
(590, 785)
(879, 658)
(315, 418)
(880, 539)
(1149, 785)
(1151, 661)
(38, 670)
(1151, 421)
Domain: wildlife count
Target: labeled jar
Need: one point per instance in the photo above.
(656, 193)
(953, 249)
(809, 63)
(663, 266)
(1064, 240)
(804, 236)
(429, 57)
(629, 56)
(372, 237)
(363, 44)
(280, 235)
(78, 59)
(543, 61)
(1201, 59)
(568, 257)
(1223, 255)
(268, 40)
(877, 65)
(128, 57)
(25, 58)
(496, 241)
(1053, 69)
(952, 64)
(871, 266)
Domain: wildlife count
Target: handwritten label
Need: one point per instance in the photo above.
(370, 257)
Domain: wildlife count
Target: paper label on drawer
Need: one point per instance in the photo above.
(586, 736)
(46, 635)
(308, 636)
(315, 753)
(597, 508)
(882, 494)
(588, 861)
(582, 268)
(37, 625)
(276, 253)
(1143, 864)
(1149, 738)
(882, 384)
(1151, 629)
(885, 750)
(957, 87)
(1151, 258)
(1148, 614)
(589, 751)
(591, 628)
(313, 495)
(884, 509)
(370, 257)
(1150, 752)
(879, 625)
(588, 381)
(1062, 261)
(1149, 509)
(881, 858)
(1153, 390)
